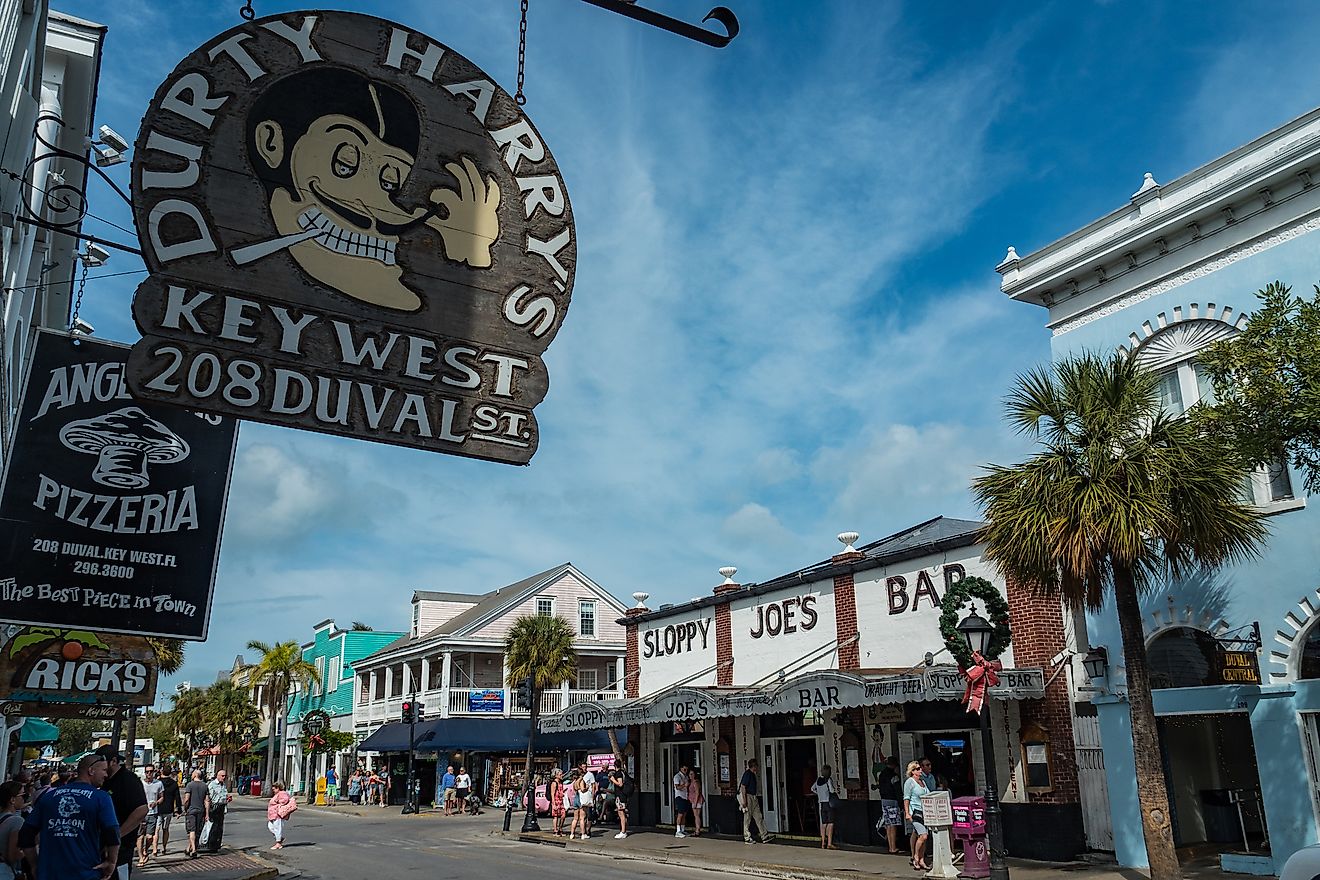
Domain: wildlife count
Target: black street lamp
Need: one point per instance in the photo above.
(977, 631)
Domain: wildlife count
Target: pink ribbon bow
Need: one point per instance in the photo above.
(982, 675)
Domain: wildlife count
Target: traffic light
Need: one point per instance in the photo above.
(420, 710)
(525, 693)
(407, 712)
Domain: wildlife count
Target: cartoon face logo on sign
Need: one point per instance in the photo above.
(350, 229)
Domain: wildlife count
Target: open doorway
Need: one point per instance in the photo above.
(952, 761)
(1214, 784)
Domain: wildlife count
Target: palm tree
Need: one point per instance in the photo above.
(281, 667)
(188, 717)
(359, 626)
(540, 647)
(169, 660)
(228, 712)
(1119, 494)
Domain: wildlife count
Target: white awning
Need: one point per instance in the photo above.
(819, 690)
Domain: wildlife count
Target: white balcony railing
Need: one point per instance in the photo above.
(481, 703)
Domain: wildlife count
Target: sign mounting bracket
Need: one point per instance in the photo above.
(721, 14)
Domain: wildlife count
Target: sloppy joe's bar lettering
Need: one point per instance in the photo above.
(676, 638)
(785, 617)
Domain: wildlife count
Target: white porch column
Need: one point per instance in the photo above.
(618, 673)
(389, 682)
(426, 674)
(446, 669)
(409, 686)
(371, 692)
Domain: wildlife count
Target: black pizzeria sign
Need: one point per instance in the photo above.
(350, 229)
(111, 507)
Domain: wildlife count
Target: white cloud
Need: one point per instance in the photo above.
(754, 527)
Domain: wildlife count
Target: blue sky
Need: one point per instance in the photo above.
(786, 321)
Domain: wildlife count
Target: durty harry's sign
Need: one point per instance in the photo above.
(111, 508)
(77, 670)
(350, 229)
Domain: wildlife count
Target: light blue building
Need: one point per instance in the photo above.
(1174, 269)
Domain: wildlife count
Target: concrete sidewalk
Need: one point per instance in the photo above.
(785, 860)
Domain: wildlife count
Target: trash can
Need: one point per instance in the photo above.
(256, 786)
(969, 827)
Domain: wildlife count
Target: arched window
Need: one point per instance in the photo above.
(1182, 657)
(1308, 662)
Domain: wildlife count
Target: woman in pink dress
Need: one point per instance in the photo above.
(697, 798)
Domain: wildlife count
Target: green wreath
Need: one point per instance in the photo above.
(996, 606)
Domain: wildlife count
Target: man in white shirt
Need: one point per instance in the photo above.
(155, 792)
(682, 806)
(463, 789)
(592, 787)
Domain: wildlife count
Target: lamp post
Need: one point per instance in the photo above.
(977, 631)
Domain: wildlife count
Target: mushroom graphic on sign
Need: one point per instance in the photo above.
(124, 442)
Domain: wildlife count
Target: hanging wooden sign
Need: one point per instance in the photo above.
(111, 508)
(77, 670)
(350, 229)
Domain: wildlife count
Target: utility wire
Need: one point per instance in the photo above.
(24, 181)
(71, 281)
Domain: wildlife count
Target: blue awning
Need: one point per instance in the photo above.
(483, 735)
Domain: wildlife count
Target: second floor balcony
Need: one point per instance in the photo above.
(479, 702)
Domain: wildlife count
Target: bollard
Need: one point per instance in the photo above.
(508, 813)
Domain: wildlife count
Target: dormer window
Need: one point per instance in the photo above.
(417, 618)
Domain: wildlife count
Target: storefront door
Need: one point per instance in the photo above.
(789, 769)
(1311, 744)
(676, 755)
(1213, 781)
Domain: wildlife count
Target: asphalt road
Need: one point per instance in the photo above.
(328, 845)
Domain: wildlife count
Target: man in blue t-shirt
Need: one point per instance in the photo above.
(445, 791)
(72, 832)
(750, 803)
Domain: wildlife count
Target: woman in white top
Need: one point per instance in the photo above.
(825, 789)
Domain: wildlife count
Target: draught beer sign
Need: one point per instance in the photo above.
(350, 229)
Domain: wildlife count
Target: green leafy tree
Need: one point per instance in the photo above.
(1267, 384)
(228, 712)
(359, 626)
(75, 734)
(539, 646)
(159, 728)
(188, 717)
(281, 667)
(1118, 495)
(169, 660)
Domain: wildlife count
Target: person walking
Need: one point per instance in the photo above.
(891, 815)
(72, 833)
(154, 789)
(696, 800)
(827, 795)
(278, 810)
(623, 789)
(130, 802)
(331, 785)
(914, 789)
(448, 784)
(373, 787)
(12, 803)
(171, 805)
(218, 791)
(555, 794)
(750, 803)
(196, 811)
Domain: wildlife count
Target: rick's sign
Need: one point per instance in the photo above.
(77, 669)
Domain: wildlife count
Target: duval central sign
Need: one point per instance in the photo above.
(350, 229)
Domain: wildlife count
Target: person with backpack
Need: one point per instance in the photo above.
(827, 793)
(621, 786)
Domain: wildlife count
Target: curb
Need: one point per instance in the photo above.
(710, 863)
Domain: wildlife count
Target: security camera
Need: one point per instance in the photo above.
(107, 155)
(111, 138)
(94, 256)
(81, 328)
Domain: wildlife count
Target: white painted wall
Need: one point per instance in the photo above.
(776, 630)
(674, 649)
(896, 634)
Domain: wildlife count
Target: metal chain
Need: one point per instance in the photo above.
(246, 12)
(519, 98)
(77, 301)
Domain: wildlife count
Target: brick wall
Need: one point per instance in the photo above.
(723, 645)
(631, 655)
(845, 616)
(1038, 637)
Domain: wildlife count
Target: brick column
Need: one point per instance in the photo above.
(1038, 637)
(631, 654)
(845, 614)
(724, 633)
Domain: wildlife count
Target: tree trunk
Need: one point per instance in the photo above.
(117, 731)
(614, 746)
(529, 784)
(1152, 793)
(131, 751)
(269, 776)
